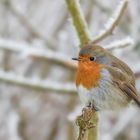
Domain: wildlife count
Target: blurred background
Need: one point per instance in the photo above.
(38, 99)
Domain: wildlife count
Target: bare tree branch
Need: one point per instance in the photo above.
(112, 23)
(85, 125)
(29, 50)
(38, 84)
(120, 44)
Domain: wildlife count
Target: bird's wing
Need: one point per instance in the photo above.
(123, 81)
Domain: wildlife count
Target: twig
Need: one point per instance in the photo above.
(79, 21)
(35, 83)
(29, 50)
(85, 125)
(112, 23)
(120, 44)
(49, 55)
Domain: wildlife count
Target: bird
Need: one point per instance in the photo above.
(103, 81)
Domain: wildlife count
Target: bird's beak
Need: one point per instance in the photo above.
(76, 59)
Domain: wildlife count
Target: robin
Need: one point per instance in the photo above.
(103, 81)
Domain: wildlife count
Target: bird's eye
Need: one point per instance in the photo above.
(92, 58)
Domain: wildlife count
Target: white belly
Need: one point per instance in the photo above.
(105, 97)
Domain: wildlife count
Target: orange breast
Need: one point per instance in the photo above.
(88, 74)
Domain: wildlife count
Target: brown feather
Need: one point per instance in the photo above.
(123, 81)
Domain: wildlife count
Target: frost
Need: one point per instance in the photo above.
(112, 22)
(36, 83)
(120, 43)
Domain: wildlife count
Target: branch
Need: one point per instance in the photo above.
(87, 124)
(29, 50)
(113, 22)
(49, 55)
(79, 21)
(37, 84)
(120, 44)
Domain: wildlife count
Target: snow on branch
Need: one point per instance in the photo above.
(119, 44)
(28, 50)
(49, 55)
(112, 23)
(7, 44)
(35, 83)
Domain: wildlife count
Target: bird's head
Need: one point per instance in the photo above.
(92, 55)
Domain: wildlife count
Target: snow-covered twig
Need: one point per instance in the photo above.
(35, 83)
(119, 44)
(29, 50)
(113, 22)
(49, 55)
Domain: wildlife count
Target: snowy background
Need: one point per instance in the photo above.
(38, 99)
